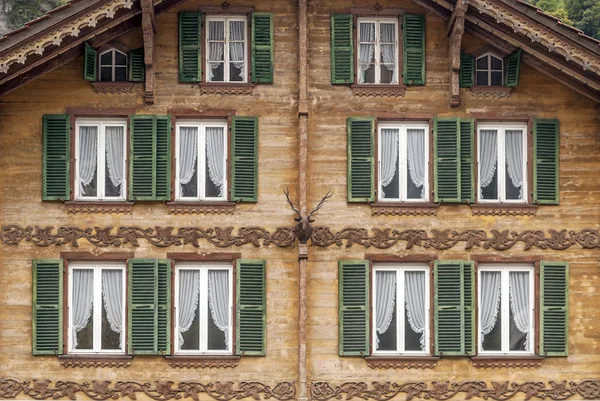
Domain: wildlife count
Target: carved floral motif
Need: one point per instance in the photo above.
(500, 391)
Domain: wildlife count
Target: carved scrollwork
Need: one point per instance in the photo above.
(113, 88)
(495, 390)
(161, 390)
(203, 363)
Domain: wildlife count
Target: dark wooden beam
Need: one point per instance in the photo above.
(148, 29)
(456, 29)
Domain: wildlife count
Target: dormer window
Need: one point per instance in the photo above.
(113, 65)
(489, 70)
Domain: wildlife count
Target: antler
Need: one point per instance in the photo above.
(287, 195)
(327, 196)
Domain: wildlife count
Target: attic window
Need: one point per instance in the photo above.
(489, 70)
(113, 65)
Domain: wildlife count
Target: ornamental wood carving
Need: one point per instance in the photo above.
(495, 390)
(161, 390)
(224, 237)
(203, 363)
(399, 363)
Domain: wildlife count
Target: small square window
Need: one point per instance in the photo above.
(377, 55)
(489, 70)
(226, 47)
(113, 66)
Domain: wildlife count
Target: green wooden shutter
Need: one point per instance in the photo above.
(513, 68)
(262, 47)
(149, 308)
(342, 48)
(137, 66)
(90, 62)
(251, 307)
(447, 163)
(454, 308)
(150, 159)
(47, 306)
(414, 49)
(353, 307)
(554, 309)
(546, 161)
(361, 160)
(244, 159)
(467, 70)
(467, 171)
(190, 46)
(56, 157)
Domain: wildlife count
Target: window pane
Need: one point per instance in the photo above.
(388, 67)
(216, 30)
(490, 318)
(188, 162)
(114, 161)
(215, 162)
(520, 311)
(215, 51)
(88, 158)
(390, 174)
(188, 310)
(414, 328)
(496, 78)
(218, 307)
(367, 32)
(236, 72)
(120, 73)
(106, 74)
(106, 58)
(388, 33)
(236, 30)
(366, 74)
(482, 77)
(416, 163)
(482, 63)
(488, 174)
(514, 164)
(496, 63)
(385, 311)
(216, 72)
(120, 58)
(82, 309)
(112, 310)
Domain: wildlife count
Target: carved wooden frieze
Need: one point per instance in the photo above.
(470, 389)
(161, 390)
(224, 237)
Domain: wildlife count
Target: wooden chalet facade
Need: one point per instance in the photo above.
(149, 252)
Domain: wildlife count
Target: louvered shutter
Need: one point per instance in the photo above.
(414, 49)
(47, 306)
(454, 308)
(467, 151)
(342, 48)
(90, 62)
(244, 159)
(353, 304)
(361, 182)
(447, 163)
(149, 306)
(262, 47)
(190, 46)
(546, 161)
(251, 307)
(467, 70)
(56, 159)
(137, 66)
(150, 159)
(554, 309)
(513, 68)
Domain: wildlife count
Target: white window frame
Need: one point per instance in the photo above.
(378, 63)
(226, 20)
(400, 269)
(501, 128)
(489, 69)
(403, 128)
(203, 268)
(97, 267)
(101, 172)
(505, 270)
(201, 159)
(113, 64)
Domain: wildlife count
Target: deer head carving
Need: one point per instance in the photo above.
(303, 228)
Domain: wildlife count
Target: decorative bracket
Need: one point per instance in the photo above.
(148, 29)
(455, 29)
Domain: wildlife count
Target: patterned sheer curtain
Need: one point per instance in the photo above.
(88, 156)
(416, 157)
(488, 157)
(112, 295)
(188, 153)
(389, 156)
(519, 303)
(115, 155)
(385, 302)
(82, 301)
(215, 156)
(490, 302)
(415, 303)
(388, 49)
(367, 50)
(189, 291)
(514, 158)
(216, 46)
(236, 45)
(218, 299)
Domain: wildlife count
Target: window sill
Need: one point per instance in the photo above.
(221, 88)
(179, 207)
(495, 362)
(106, 207)
(113, 88)
(401, 362)
(95, 361)
(497, 92)
(403, 209)
(375, 90)
(180, 361)
(503, 209)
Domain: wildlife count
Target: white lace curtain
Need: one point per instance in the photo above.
(514, 158)
(415, 303)
(488, 157)
(215, 156)
(115, 155)
(189, 290)
(385, 301)
(218, 299)
(82, 301)
(367, 49)
(416, 157)
(216, 51)
(519, 303)
(388, 49)
(490, 302)
(236, 46)
(88, 156)
(112, 294)
(188, 153)
(389, 156)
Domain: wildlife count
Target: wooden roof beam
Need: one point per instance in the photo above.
(456, 29)
(148, 29)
